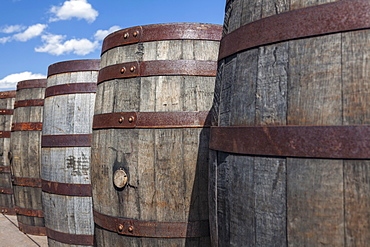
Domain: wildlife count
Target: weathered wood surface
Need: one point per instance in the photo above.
(6, 200)
(68, 114)
(168, 168)
(26, 156)
(355, 79)
(313, 81)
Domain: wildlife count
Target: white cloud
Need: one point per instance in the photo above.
(80, 9)
(53, 44)
(101, 34)
(30, 32)
(10, 81)
(4, 40)
(12, 29)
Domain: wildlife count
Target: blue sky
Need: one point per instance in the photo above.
(37, 33)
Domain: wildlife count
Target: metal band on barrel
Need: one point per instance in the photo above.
(29, 212)
(72, 88)
(5, 134)
(6, 112)
(69, 238)
(158, 68)
(27, 182)
(4, 190)
(30, 102)
(183, 31)
(151, 120)
(26, 126)
(338, 142)
(5, 169)
(37, 83)
(74, 66)
(74, 140)
(9, 211)
(33, 230)
(340, 16)
(67, 189)
(153, 229)
(7, 94)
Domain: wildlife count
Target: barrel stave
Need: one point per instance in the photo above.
(355, 111)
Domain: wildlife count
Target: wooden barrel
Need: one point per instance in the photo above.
(6, 118)
(26, 155)
(291, 117)
(155, 90)
(66, 144)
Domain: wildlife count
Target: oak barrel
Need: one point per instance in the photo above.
(6, 118)
(290, 165)
(66, 146)
(26, 155)
(150, 135)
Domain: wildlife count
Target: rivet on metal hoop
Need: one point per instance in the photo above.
(131, 119)
(123, 70)
(130, 228)
(120, 227)
(135, 33)
(126, 35)
(121, 119)
(132, 69)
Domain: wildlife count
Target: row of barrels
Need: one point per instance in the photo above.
(114, 151)
(272, 150)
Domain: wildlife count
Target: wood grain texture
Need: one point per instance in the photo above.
(26, 155)
(313, 81)
(355, 79)
(315, 98)
(68, 114)
(251, 89)
(167, 168)
(6, 200)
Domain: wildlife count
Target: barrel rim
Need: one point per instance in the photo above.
(7, 94)
(162, 31)
(32, 83)
(319, 20)
(74, 66)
